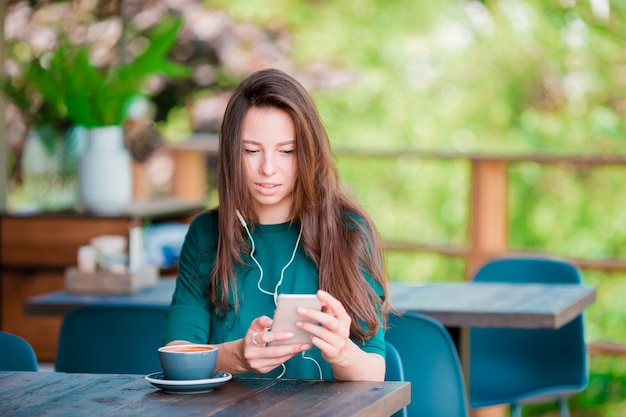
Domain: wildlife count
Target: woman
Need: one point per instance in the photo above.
(284, 224)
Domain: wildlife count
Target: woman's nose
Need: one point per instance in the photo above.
(267, 166)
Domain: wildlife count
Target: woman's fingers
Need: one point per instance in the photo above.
(330, 329)
(334, 317)
(265, 359)
(258, 350)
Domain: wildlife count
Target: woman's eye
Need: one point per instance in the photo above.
(251, 150)
(287, 151)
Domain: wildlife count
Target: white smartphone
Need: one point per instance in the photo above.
(286, 316)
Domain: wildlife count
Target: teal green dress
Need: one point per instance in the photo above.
(191, 316)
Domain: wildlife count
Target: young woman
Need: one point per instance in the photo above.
(284, 224)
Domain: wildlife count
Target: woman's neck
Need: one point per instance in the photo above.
(273, 214)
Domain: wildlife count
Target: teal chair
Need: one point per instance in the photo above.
(16, 354)
(516, 366)
(394, 370)
(111, 339)
(431, 363)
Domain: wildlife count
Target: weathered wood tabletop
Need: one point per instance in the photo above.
(61, 394)
(479, 304)
(463, 305)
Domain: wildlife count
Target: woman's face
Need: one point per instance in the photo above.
(269, 143)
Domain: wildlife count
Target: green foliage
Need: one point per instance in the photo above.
(582, 204)
(73, 90)
(405, 208)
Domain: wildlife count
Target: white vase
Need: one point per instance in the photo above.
(104, 172)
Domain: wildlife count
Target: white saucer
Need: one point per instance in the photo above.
(194, 386)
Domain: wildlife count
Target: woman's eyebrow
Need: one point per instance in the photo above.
(253, 142)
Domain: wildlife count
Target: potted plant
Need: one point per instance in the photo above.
(64, 88)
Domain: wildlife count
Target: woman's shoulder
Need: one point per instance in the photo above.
(206, 216)
(205, 225)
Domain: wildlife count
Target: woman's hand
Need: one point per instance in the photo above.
(257, 353)
(332, 337)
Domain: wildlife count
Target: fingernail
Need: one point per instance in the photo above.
(306, 347)
(322, 292)
(301, 310)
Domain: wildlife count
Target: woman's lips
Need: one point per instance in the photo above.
(266, 188)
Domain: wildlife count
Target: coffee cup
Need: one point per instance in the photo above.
(188, 361)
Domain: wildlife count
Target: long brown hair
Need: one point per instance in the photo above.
(336, 233)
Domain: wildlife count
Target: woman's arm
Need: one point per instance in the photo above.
(354, 364)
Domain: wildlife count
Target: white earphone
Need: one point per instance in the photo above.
(278, 284)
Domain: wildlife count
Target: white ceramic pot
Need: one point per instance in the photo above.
(105, 173)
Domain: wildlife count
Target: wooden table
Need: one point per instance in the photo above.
(60, 394)
(481, 304)
(460, 306)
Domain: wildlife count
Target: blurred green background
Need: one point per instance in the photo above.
(488, 77)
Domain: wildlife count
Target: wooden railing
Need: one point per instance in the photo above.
(488, 216)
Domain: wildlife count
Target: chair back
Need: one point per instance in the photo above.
(111, 339)
(431, 363)
(508, 366)
(394, 370)
(16, 354)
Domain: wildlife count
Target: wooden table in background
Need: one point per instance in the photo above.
(61, 394)
(481, 304)
(460, 306)
(36, 249)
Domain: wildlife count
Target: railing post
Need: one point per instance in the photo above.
(141, 182)
(488, 228)
(191, 165)
(190, 172)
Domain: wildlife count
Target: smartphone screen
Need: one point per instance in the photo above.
(286, 316)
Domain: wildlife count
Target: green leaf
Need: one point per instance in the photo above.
(74, 89)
